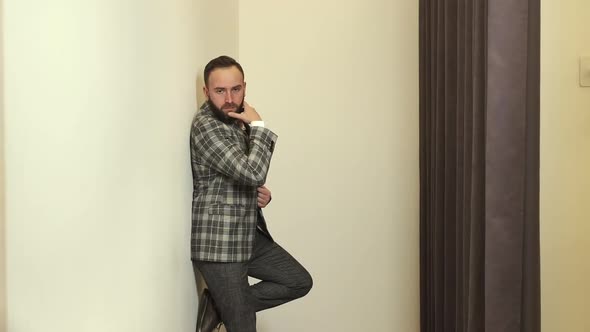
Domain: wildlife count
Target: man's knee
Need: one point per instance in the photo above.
(303, 286)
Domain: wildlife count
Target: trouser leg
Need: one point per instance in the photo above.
(228, 285)
(283, 279)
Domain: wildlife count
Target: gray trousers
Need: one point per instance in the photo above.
(283, 279)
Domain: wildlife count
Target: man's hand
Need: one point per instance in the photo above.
(263, 196)
(248, 115)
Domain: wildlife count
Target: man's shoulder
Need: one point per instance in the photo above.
(206, 124)
(204, 117)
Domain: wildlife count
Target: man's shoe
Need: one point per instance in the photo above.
(207, 317)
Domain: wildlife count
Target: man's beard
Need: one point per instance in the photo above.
(221, 116)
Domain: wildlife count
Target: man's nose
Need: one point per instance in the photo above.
(228, 97)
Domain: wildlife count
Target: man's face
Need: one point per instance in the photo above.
(226, 89)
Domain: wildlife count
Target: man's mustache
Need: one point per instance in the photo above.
(229, 105)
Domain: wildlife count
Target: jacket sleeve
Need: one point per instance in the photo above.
(215, 147)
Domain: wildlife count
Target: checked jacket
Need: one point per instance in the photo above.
(228, 164)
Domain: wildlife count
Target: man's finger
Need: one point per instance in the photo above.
(236, 115)
(263, 190)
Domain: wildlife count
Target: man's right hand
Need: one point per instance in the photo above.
(248, 115)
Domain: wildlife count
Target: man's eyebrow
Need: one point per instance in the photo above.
(224, 88)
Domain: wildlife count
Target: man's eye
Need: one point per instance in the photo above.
(237, 89)
(219, 91)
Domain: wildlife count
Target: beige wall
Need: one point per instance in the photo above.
(565, 161)
(2, 189)
(338, 82)
(217, 34)
(99, 96)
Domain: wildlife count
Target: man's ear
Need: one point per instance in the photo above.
(206, 92)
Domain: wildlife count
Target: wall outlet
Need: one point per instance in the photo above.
(585, 71)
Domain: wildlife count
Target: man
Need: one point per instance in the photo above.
(230, 155)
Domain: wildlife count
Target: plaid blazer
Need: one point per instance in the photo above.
(228, 164)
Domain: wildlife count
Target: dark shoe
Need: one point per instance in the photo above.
(207, 317)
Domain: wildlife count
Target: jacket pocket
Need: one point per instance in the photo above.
(230, 210)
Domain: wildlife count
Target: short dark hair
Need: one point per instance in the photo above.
(223, 61)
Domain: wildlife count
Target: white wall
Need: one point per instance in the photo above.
(565, 161)
(99, 97)
(338, 82)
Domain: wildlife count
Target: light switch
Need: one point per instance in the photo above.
(585, 71)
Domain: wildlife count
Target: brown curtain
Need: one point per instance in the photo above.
(479, 165)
